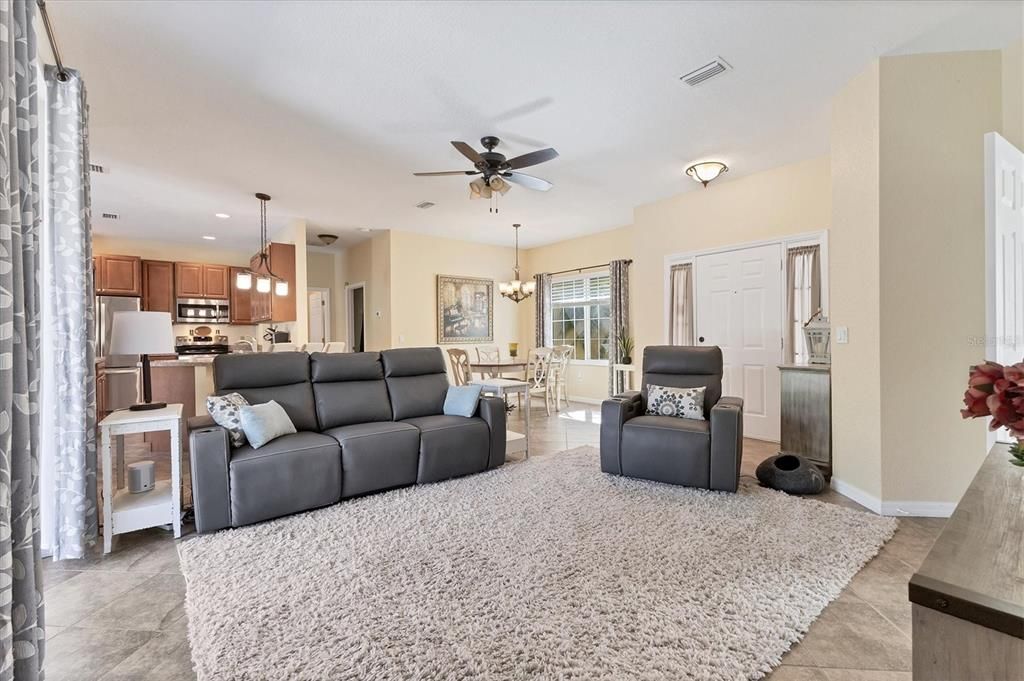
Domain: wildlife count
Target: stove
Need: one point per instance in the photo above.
(201, 345)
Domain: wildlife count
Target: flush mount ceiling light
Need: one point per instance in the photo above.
(706, 171)
(262, 272)
(327, 239)
(222, 216)
(210, 238)
(517, 290)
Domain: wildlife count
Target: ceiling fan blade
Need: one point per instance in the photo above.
(532, 159)
(467, 151)
(449, 172)
(528, 181)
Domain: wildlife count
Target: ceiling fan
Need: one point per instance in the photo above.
(495, 167)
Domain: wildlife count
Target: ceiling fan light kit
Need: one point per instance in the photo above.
(497, 171)
(517, 290)
(262, 274)
(706, 171)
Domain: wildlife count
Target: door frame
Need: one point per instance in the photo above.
(326, 293)
(819, 237)
(349, 320)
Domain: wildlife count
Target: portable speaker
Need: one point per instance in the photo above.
(141, 476)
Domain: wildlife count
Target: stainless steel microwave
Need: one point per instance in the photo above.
(198, 310)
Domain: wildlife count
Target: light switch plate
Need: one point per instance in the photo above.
(842, 334)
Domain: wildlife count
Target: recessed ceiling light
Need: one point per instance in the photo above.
(365, 229)
(222, 216)
(210, 238)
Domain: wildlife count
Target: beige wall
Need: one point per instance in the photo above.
(369, 262)
(854, 277)
(322, 271)
(417, 259)
(932, 250)
(1013, 94)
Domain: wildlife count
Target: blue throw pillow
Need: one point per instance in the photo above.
(265, 422)
(461, 400)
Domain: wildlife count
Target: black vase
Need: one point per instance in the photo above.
(627, 360)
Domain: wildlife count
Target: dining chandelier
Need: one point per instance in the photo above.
(261, 273)
(517, 290)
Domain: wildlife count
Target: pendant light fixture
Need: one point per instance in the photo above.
(517, 290)
(264, 276)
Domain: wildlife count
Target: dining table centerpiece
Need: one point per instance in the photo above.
(997, 391)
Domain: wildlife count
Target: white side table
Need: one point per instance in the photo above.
(627, 371)
(127, 512)
(514, 442)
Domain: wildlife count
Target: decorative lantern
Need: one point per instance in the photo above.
(817, 332)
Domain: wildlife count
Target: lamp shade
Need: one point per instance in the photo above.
(141, 333)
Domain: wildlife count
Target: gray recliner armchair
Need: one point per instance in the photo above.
(679, 451)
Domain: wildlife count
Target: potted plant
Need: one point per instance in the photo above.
(998, 391)
(626, 349)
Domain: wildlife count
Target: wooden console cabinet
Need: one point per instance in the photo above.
(807, 413)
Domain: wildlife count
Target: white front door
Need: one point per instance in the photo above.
(317, 317)
(739, 308)
(1004, 217)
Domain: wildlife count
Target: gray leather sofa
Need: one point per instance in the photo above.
(679, 451)
(366, 422)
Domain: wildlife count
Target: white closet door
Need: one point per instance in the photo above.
(1004, 214)
(739, 308)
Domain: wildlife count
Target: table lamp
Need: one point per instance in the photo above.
(142, 333)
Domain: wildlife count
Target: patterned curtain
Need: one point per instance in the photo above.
(542, 299)
(21, 598)
(69, 434)
(619, 303)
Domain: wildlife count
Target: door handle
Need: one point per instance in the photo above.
(701, 339)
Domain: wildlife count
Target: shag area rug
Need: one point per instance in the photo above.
(548, 569)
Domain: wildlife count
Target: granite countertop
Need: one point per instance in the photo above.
(184, 361)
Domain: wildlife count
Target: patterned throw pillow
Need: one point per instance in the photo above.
(683, 403)
(225, 410)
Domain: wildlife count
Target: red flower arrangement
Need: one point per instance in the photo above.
(998, 391)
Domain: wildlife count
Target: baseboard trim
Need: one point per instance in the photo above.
(918, 509)
(849, 491)
(585, 400)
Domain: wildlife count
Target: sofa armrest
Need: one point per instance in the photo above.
(726, 443)
(200, 422)
(209, 454)
(615, 411)
(492, 411)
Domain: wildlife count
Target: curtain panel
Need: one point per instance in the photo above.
(681, 305)
(542, 317)
(619, 322)
(69, 382)
(21, 598)
(803, 295)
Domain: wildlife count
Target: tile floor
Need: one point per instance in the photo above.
(121, 617)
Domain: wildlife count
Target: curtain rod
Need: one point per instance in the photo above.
(62, 73)
(588, 267)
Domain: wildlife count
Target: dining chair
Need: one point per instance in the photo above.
(558, 373)
(488, 353)
(335, 346)
(313, 347)
(284, 347)
(460, 365)
(537, 365)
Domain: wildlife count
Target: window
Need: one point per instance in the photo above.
(803, 278)
(581, 315)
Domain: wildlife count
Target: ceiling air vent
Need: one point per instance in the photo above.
(706, 72)
(425, 204)
(97, 168)
(110, 216)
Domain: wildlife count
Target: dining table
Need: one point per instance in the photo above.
(498, 367)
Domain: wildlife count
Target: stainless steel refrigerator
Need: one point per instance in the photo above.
(122, 371)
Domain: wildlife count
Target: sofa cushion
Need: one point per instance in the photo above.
(377, 456)
(264, 423)
(349, 388)
(668, 449)
(263, 376)
(290, 474)
(451, 446)
(417, 381)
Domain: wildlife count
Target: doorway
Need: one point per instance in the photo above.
(739, 304)
(355, 293)
(319, 315)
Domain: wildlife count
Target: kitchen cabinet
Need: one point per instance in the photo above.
(158, 286)
(268, 307)
(241, 299)
(201, 280)
(117, 275)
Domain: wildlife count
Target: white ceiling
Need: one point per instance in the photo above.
(330, 107)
